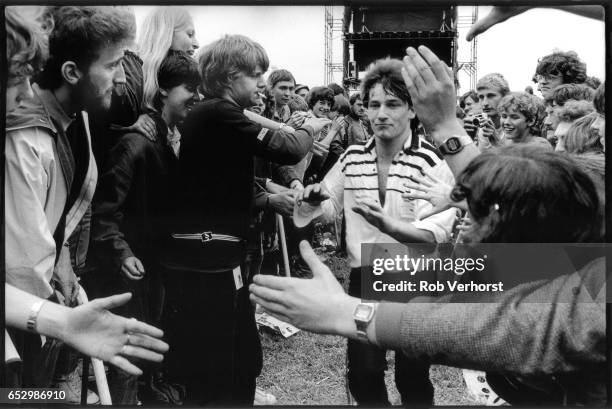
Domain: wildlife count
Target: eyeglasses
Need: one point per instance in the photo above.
(546, 78)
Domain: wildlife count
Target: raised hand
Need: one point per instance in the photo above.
(314, 194)
(430, 188)
(496, 15)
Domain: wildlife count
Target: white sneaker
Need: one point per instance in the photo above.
(263, 398)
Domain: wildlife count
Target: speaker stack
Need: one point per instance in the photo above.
(375, 32)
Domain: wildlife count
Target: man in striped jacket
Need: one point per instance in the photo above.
(371, 178)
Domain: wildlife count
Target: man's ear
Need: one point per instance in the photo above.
(411, 113)
(71, 73)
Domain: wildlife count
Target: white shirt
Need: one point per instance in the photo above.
(355, 175)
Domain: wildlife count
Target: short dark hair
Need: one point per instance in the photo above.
(277, 76)
(80, 34)
(470, 94)
(599, 99)
(388, 73)
(320, 94)
(338, 90)
(26, 44)
(564, 92)
(178, 68)
(223, 59)
(515, 188)
(353, 98)
(341, 105)
(567, 64)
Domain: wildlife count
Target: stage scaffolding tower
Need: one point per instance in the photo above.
(333, 30)
(464, 22)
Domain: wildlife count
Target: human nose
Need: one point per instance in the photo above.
(597, 124)
(195, 43)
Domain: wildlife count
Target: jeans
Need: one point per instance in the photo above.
(367, 365)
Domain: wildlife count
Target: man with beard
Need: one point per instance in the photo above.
(50, 173)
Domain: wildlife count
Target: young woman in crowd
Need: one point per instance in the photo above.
(581, 137)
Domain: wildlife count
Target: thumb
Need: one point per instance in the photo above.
(113, 301)
(312, 260)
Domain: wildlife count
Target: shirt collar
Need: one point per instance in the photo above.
(54, 108)
(413, 143)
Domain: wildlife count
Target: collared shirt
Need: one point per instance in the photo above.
(355, 176)
(174, 140)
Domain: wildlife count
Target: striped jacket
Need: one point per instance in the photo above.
(355, 175)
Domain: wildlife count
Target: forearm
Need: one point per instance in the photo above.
(18, 304)
(263, 121)
(594, 11)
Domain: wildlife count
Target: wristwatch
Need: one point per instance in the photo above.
(454, 144)
(363, 315)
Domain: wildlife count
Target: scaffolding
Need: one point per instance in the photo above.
(470, 67)
(333, 27)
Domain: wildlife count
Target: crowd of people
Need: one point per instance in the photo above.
(177, 173)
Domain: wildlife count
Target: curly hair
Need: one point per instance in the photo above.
(221, 60)
(564, 92)
(80, 34)
(599, 100)
(320, 94)
(523, 195)
(573, 110)
(388, 73)
(26, 42)
(580, 138)
(494, 80)
(566, 64)
(530, 106)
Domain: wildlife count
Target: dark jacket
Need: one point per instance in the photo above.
(219, 144)
(132, 203)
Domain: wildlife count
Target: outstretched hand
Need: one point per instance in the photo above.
(318, 304)
(496, 15)
(374, 214)
(430, 188)
(93, 330)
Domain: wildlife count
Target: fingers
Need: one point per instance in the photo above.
(135, 326)
(147, 342)
(267, 294)
(415, 195)
(317, 267)
(114, 301)
(432, 177)
(274, 282)
(415, 81)
(361, 211)
(122, 363)
(437, 67)
(370, 204)
(271, 307)
(422, 67)
(139, 266)
(420, 181)
(141, 353)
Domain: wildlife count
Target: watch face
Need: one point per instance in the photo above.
(453, 144)
(363, 312)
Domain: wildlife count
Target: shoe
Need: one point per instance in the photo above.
(263, 398)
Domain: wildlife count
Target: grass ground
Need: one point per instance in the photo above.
(308, 369)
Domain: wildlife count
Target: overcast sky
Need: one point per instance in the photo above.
(294, 38)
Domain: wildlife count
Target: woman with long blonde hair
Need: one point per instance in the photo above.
(164, 29)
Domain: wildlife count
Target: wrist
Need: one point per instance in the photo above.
(344, 323)
(446, 129)
(52, 320)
